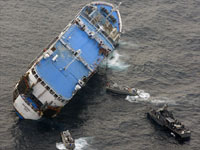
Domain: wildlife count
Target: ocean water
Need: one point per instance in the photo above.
(159, 53)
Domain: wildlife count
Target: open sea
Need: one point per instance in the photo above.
(159, 52)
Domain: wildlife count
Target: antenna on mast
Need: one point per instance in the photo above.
(117, 7)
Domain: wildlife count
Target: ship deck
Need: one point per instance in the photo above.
(63, 81)
(63, 74)
(114, 13)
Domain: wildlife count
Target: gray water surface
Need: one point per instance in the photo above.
(161, 45)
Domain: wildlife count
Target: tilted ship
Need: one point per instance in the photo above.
(68, 62)
(165, 118)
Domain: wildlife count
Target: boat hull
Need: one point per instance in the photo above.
(120, 92)
(162, 122)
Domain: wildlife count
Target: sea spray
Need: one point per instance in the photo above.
(114, 62)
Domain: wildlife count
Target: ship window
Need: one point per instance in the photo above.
(36, 76)
(60, 99)
(55, 95)
(33, 71)
(52, 92)
(39, 80)
(88, 10)
(43, 83)
(48, 88)
(105, 11)
(112, 18)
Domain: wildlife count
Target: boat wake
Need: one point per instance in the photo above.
(145, 97)
(114, 62)
(81, 144)
(162, 100)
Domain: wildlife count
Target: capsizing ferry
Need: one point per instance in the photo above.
(68, 62)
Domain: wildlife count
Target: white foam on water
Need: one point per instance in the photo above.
(80, 144)
(145, 97)
(162, 100)
(114, 62)
(142, 96)
(127, 44)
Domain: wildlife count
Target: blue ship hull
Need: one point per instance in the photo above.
(68, 62)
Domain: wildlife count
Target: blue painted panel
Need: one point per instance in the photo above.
(64, 56)
(89, 47)
(99, 35)
(20, 116)
(80, 40)
(76, 69)
(30, 101)
(63, 85)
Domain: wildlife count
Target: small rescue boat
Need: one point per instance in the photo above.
(67, 140)
(121, 90)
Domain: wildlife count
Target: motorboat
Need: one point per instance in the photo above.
(165, 118)
(121, 90)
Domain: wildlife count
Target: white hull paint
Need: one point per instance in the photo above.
(25, 110)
